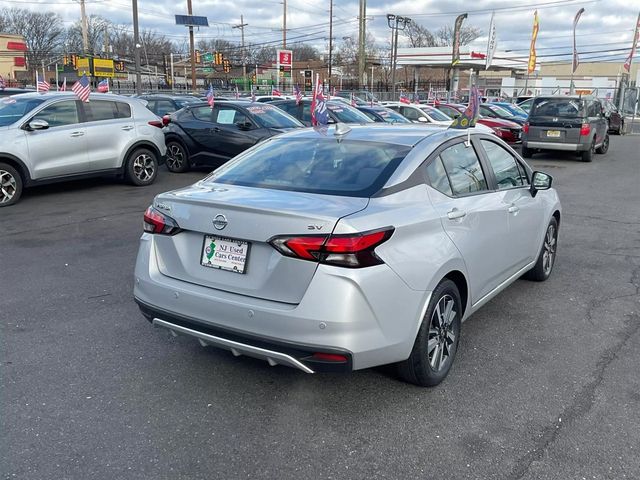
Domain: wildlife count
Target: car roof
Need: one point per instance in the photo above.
(167, 95)
(93, 95)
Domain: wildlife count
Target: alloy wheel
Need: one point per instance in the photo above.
(442, 337)
(144, 167)
(175, 157)
(549, 249)
(8, 186)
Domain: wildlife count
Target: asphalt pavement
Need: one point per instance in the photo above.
(546, 383)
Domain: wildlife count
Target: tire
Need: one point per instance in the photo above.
(437, 341)
(587, 155)
(526, 152)
(547, 257)
(177, 157)
(602, 149)
(10, 185)
(142, 167)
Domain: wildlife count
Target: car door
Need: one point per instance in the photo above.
(525, 213)
(199, 125)
(597, 118)
(235, 130)
(60, 149)
(110, 130)
(472, 215)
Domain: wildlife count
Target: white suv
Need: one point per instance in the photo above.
(54, 137)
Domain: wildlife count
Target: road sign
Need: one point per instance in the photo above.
(82, 64)
(207, 57)
(103, 68)
(207, 70)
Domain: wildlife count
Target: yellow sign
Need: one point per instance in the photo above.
(82, 65)
(532, 50)
(103, 68)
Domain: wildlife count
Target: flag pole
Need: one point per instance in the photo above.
(57, 78)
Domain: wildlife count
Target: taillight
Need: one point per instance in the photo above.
(156, 123)
(166, 120)
(585, 129)
(354, 250)
(525, 127)
(157, 222)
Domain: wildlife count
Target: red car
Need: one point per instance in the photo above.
(508, 131)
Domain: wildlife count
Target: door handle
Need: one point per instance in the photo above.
(215, 129)
(127, 128)
(454, 214)
(513, 209)
(76, 134)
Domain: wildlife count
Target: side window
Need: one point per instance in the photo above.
(123, 110)
(225, 115)
(504, 165)
(97, 110)
(410, 113)
(463, 167)
(306, 112)
(162, 107)
(438, 176)
(60, 114)
(205, 114)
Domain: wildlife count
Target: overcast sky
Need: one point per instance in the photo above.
(605, 25)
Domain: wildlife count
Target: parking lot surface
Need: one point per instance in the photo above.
(545, 384)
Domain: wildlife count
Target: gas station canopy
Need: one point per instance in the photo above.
(469, 58)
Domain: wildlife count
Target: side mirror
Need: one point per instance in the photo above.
(37, 125)
(244, 125)
(540, 181)
(423, 120)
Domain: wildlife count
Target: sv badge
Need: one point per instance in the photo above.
(314, 227)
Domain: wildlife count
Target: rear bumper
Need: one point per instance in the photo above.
(567, 147)
(368, 315)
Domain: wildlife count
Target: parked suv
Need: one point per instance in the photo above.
(568, 123)
(53, 137)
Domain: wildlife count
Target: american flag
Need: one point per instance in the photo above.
(210, 97)
(298, 94)
(103, 86)
(319, 113)
(2, 83)
(81, 88)
(404, 98)
(42, 86)
(63, 88)
(275, 92)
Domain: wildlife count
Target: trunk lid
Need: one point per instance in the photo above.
(555, 129)
(253, 215)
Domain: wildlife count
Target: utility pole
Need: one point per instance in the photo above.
(244, 53)
(284, 25)
(192, 49)
(400, 24)
(136, 47)
(330, 39)
(362, 36)
(85, 28)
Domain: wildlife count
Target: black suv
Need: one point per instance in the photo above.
(568, 123)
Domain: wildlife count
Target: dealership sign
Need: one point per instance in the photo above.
(285, 62)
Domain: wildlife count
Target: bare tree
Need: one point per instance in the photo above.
(153, 46)
(303, 51)
(96, 28)
(347, 55)
(468, 34)
(419, 36)
(42, 31)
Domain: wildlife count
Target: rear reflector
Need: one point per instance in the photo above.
(329, 357)
(157, 222)
(354, 250)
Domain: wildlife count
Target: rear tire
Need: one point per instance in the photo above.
(177, 157)
(10, 185)
(526, 152)
(602, 149)
(141, 168)
(437, 341)
(587, 155)
(547, 257)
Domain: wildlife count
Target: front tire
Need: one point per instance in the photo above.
(10, 185)
(437, 342)
(141, 168)
(177, 157)
(547, 257)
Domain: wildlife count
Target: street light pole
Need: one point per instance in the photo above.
(192, 49)
(136, 47)
(396, 23)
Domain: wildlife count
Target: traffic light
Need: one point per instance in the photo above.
(227, 66)
(198, 56)
(219, 58)
(74, 60)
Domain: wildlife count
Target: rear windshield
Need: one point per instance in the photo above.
(436, 114)
(558, 107)
(347, 114)
(391, 116)
(13, 109)
(271, 117)
(315, 165)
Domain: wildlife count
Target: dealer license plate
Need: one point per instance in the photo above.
(224, 254)
(553, 133)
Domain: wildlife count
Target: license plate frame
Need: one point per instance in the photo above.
(553, 133)
(232, 254)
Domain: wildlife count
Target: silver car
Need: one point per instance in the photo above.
(53, 137)
(347, 248)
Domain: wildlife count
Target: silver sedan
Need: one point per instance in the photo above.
(349, 247)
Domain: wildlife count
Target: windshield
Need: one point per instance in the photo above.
(499, 111)
(13, 109)
(517, 110)
(270, 117)
(315, 165)
(436, 114)
(558, 107)
(347, 114)
(392, 117)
